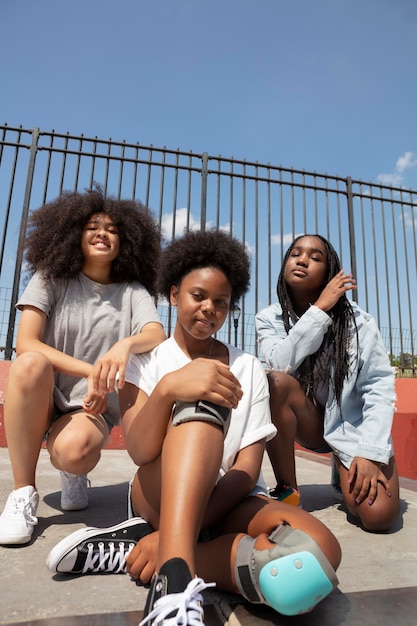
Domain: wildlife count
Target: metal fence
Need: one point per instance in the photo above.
(372, 226)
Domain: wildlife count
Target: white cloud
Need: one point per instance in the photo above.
(287, 239)
(408, 159)
(180, 223)
(396, 178)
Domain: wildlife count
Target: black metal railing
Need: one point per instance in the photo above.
(372, 226)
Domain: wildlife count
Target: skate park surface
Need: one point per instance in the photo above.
(377, 576)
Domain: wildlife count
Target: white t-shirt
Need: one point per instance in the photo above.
(84, 320)
(250, 421)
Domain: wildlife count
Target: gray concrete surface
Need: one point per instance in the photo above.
(378, 573)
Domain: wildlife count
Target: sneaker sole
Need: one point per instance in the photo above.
(58, 553)
(15, 540)
(72, 506)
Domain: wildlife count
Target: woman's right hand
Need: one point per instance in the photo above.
(205, 379)
(95, 401)
(335, 288)
(141, 561)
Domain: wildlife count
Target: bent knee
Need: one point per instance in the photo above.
(376, 518)
(30, 369)
(282, 383)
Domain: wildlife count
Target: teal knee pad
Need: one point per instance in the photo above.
(202, 411)
(294, 583)
(292, 577)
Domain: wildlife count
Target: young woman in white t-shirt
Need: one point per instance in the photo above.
(197, 419)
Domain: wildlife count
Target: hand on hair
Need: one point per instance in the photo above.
(335, 288)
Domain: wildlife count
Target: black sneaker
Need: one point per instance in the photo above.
(287, 494)
(167, 605)
(97, 550)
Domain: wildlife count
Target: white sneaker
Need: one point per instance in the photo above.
(179, 608)
(74, 494)
(19, 516)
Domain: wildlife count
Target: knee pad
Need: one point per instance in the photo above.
(292, 577)
(202, 411)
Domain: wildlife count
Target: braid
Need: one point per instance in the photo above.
(332, 358)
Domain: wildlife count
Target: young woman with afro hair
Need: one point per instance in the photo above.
(198, 419)
(87, 307)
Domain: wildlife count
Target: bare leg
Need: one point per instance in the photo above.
(27, 413)
(76, 440)
(296, 419)
(257, 516)
(179, 485)
(381, 515)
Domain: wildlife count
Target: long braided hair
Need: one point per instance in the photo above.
(331, 361)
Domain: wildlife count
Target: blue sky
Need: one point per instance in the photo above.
(326, 85)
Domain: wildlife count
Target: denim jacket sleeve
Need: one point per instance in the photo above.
(284, 351)
(367, 406)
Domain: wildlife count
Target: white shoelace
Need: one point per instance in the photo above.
(110, 559)
(76, 486)
(21, 507)
(187, 606)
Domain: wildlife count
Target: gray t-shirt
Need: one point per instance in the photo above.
(85, 319)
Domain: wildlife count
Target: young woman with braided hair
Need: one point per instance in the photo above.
(331, 384)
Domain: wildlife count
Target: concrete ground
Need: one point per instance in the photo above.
(378, 573)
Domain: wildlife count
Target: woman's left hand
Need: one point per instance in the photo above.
(363, 477)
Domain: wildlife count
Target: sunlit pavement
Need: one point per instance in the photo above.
(378, 573)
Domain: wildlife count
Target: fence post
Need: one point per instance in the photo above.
(22, 234)
(351, 224)
(204, 174)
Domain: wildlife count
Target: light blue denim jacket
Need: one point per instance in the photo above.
(361, 425)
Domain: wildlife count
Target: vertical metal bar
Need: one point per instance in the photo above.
(161, 187)
(93, 162)
(281, 220)
(269, 285)
(148, 180)
(256, 272)
(135, 171)
(231, 198)
(106, 174)
(48, 169)
(243, 302)
(174, 199)
(292, 206)
(78, 165)
(316, 209)
(22, 234)
(303, 179)
(63, 165)
(218, 192)
(388, 261)
(408, 281)
(9, 199)
(365, 258)
(119, 188)
(378, 317)
(204, 175)
(190, 163)
(351, 227)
